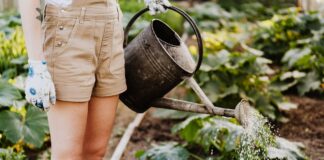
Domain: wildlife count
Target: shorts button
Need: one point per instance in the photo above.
(61, 27)
(59, 44)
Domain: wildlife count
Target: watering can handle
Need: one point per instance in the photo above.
(185, 15)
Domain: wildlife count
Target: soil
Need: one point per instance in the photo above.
(306, 125)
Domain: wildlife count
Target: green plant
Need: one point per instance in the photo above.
(8, 93)
(283, 31)
(219, 138)
(231, 71)
(20, 122)
(28, 127)
(10, 154)
(13, 54)
(213, 134)
(292, 40)
(21, 125)
(8, 21)
(167, 151)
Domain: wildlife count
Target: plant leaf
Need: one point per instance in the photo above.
(31, 128)
(8, 93)
(166, 151)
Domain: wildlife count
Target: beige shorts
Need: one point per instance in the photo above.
(84, 50)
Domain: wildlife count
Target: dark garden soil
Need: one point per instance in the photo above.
(306, 125)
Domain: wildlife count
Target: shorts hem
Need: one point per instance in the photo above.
(103, 92)
(72, 93)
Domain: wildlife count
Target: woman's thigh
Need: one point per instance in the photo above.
(67, 124)
(101, 116)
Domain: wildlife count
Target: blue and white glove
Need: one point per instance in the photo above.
(156, 6)
(39, 87)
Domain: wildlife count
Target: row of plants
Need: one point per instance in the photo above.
(292, 40)
(260, 60)
(217, 138)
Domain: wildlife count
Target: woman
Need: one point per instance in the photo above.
(76, 70)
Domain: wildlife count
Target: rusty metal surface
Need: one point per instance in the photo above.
(150, 71)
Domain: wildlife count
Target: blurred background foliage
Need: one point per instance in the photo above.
(255, 49)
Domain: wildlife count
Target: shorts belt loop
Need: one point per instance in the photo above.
(82, 15)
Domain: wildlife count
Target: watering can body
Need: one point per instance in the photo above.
(151, 72)
(156, 61)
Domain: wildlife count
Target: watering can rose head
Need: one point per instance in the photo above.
(243, 112)
(157, 6)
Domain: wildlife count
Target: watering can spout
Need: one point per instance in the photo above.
(241, 111)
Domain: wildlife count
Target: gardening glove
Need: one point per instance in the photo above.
(156, 6)
(39, 87)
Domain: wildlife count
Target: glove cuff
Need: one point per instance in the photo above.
(36, 66)
(37, 62)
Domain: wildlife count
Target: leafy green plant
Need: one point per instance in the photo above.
(285, 149)
(10, 154)
(219, 139)
(211, 133)
(13, 54)
(292, 40)
(232, 71)
(29, 128)
(20, 124)
(283, 31)
(8, 93)
(167, 151)
(8, 21)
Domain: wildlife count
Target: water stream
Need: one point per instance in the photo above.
(256, 138)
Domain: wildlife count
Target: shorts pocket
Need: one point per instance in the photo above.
(117, 55)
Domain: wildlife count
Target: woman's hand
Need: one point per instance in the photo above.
(156, 6)
(39, 87)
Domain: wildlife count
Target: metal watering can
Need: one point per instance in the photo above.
(156, 61)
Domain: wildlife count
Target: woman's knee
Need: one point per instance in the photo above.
(94, 151)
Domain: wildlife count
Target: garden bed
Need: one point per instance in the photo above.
(306, 126)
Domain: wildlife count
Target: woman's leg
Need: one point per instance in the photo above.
(101, 116)
(67, 123)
